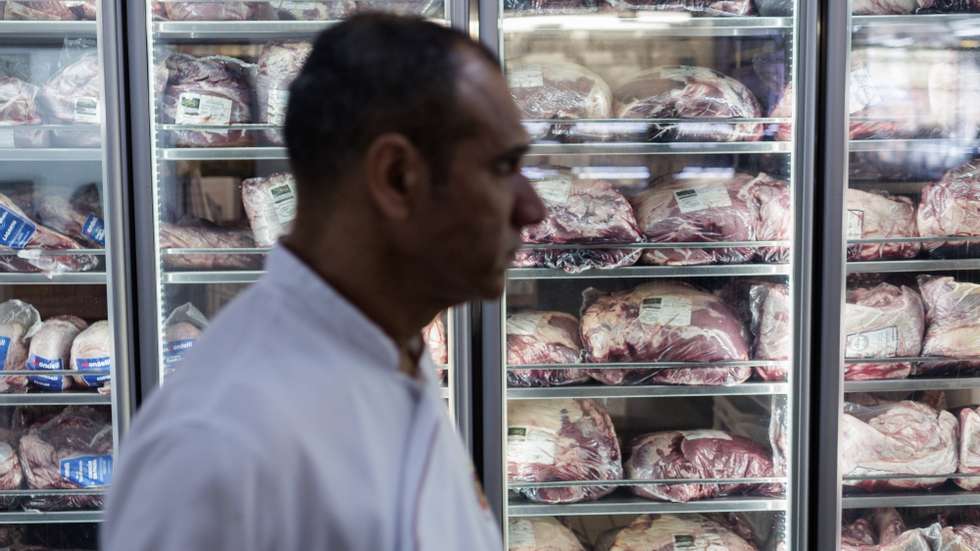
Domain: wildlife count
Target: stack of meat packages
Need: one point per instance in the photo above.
(886, 530)
(706, 8)
(47, 10)
(286, 10)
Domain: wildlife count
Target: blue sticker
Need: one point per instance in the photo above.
(50, 382)
(94, 229)
(88, 470)
(173, 351)
(94, 364)
(4, 349)
(15, 231)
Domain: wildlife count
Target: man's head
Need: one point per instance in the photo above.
(404, 132)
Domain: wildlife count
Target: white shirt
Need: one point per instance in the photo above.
(290, 427)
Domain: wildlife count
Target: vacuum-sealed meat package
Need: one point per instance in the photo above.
(712, 8)
(558, 91)
(203, 235)
(24, 242)
(535, 338)
(19, 322)
(541, 534)
(50, 350)
(208, 91)
(278, 66)
(270, 204)
(92, 350)
(663, 532)
(552, 7)
(182, 328)
(39, 10)
(952, 322)
(882, 322)
(770, 306)
(214, 11)
(317, 10)
(951, 207)
(19, 111)
(873, 215)
(73, 96)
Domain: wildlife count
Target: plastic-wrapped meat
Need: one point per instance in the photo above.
(208, 91)
(270, 204)
(770, 305)
(969, 448)
(18, 112)
(779, 435)
(951, 207)
(423, 8)
(882, 322)
(858, 534)
(437, 341)
(86, 10)
(50, 350)
(312, 11)
(544, 338)
(775, 8)
(11, 474)
(556, 440)
(952, 320)
(279, 64)
(679, 92)
(705, 209)
(948, 6)
(92, 350)
(18, 232)
(880, 215)
(713, 8)
(965, 537)
(672, 532)
(888, 524)
(553, 7)
(883, 7)
(697, 454)
(206, 236)
(558, 91)
(73, 218)
(38, 10)
(581, 212)
(73, 96)
(183, 327)
(70, 451)
(888, 97)
(898, 438)
(213, 11)
(541, 534)
(663, 321)
(19, 322)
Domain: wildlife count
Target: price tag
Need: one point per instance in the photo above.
(666, 310)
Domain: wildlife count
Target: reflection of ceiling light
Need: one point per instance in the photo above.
(694, 172)
(538, 173)
(612, 172)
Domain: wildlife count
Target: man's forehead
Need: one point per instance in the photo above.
(483, 96)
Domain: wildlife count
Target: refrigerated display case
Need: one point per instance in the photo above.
(65, 313)
(645, 373)
(210, 107)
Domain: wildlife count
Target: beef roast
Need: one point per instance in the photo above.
(557, 440)
(201, 235)
(540, 534)
(680, 92)
(553, 7)
(965, 537)
(51, 351)
(21, 238)
(883, 7)
(770, 305)
(11, 473)
(73, 96)
(673, 532)
(558, 91)
(712, 8)
(38, 10)
(92, 350)
(74, 217)
(951, 207)
(182, 328)
(697, 454)
(18, 112)
(580, 212)
(663, 321)
(19, 322)
(279, 64)
(705, 209)
(543, 338)
(969, 448)
(880, 215)
(312, 11)
(884, 321)
(213, 11)
(897, 438)
(952, 320)
(270, 204)
(208, 91)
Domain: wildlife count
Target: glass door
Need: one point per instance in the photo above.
(64, 327)
(644, 370)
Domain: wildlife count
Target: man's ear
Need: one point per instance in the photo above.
(397, 175)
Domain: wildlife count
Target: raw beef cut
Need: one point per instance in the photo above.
(672, 532)
(18, 112)
(92, 351)
(880, 215)
(70, 451)
(19, 322)
(581, 212)
(202, 235)
(697, 454)
(775, 8)
(882, 322)
(73, 218)
(948, 6)
(38, 10)
(208, 91)
(680, 92)
(772, 327)
(553, 7)
(969, 448)
(182, 329)
(424, 8)
(213, 11)
(856, 535)
(51, 350)
(437, 341)
(544, 338)
(965, 537)
(705, 209)
(540, 534)
(312, 11)
(663, 321)
(883, 7)
(270, 204)
(888, 524)
(19, 235)
(559, 91)
(785, 108)
(279, 64)
(951, 207)
(73, 96)
(11, 474)
(779, 431)
(556, 440)
(898, 438)
(952, 320)
(888, 97)
(86, 10)
(713, 8)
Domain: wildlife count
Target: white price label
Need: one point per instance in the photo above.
(554, 191)
(881, 343)
(855, 224)
(863, 91)
(278, 101)
(201, 109)
(705, 541)
(706, 434)
(299, 6)
(284, 199)
(666, 310)
(522, 326)
(7, 138)
(693, 200)
(526, 78)
(531, 445)
(87, 110)
(521, 534)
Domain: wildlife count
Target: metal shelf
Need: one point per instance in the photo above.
(715, 270)
(941, 144)
(946, 19)
(52, 517)
(211, 277)
(653, 23)
(933, 499)
(47, 30)
(72, 278)
(226, 31)
(55, 398)
(678, 148)
(647, 391)
(224, 153)
(900, 385)
(639, 506)
(50, 155)
(896, 266)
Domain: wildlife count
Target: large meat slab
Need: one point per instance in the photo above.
(673, 532)
(208, 91)
(540, 534)
(884, 321)
(952, 320)
(880, 215)
(951, 207)
(544, 338)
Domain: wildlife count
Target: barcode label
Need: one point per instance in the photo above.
(526, 78)
(855, 224)
(531, 445)
(203, 110)
(693, 200)
(278, 102)
(881, 343)
(87, 110)
(522, 326)
(284, 199)
(555, 191)
(862, 91)
(685, 542)
(666, 310)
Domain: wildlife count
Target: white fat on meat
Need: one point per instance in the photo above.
(51, 350)
(19, 321)
(92, 350)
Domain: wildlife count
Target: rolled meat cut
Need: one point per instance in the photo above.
(182, 328)
(770, 305)
(279, 64)
(543, 338)
(951, 207)
(51, 350)
(208, 91)
(19, 235)
(663, 321)
(898, 438)
(92, 350)
(656, 532)
(201, 235)
(73, 96)
(697, 454)
(78, 217)
(540, 534)
(679, 92)
(711, 8)
(580, 212)
(952, 320)
(270, 204)
(559, 440)
(19, 322)
(884, 321)
(880, 215)
(705, 209)
(19, 111)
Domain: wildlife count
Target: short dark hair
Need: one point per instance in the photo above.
(369, 75)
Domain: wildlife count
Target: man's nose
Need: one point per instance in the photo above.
(528, 208)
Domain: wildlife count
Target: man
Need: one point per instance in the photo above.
(307, 417)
